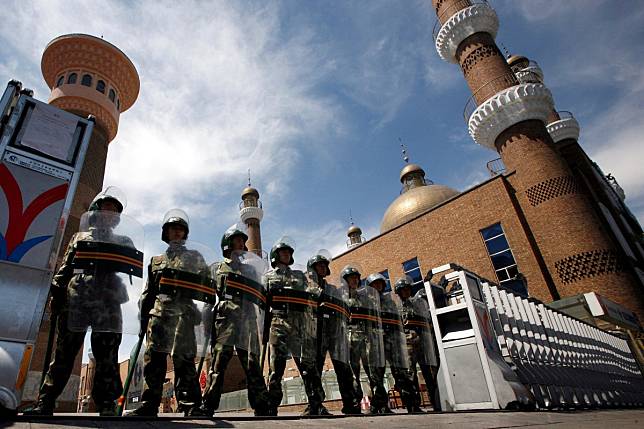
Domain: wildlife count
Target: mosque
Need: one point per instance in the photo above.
(547, 223)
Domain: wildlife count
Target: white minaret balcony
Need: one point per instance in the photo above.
(247, 213)
(530, 74)
(565, 128)
(478, 18)
(508, 107)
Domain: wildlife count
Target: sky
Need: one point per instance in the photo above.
(314, 96)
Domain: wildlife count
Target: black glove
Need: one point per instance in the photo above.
(58, 299)
(145, 319)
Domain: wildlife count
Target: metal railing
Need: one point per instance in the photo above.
(528, 76)
(244, 204)
(487, 90)
(451, 10)
(564, 114)
(495, 167)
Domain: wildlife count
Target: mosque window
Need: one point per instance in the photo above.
(385, 274)
(60, 81)
(87, 80)
(100, 86)
(112, 95)
(502, 259)
(71, 79)
(118, 104)
(412, 269)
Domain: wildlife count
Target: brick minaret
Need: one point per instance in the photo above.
(89, 76)
(355, 236)
(251, 213)
(510, 117)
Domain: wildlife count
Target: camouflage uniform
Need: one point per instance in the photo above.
(289, 329)
(229, 319)
(417, 355)
(327, 331)
(93, 299)
(395, 353)
(170, 329)
(364, 342)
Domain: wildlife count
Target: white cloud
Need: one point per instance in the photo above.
(222, 91)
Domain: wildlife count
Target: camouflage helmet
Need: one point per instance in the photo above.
(174, 217)
(348, 271)
(402, 283)
(374, 278)
(284, 242)
(321, 256)
(111, 193)
(227, 238)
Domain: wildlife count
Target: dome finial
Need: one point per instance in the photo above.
(505, 50)
(350, 217)
(249, 177)
(405, 157)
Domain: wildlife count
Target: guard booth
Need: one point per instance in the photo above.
(473, 373)
(42, 151)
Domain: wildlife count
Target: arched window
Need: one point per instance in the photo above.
(100, 86)
(71, 79)
(112, 95)
(87, 80)
(60, 81)
(118, 104)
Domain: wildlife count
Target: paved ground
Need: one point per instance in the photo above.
(604, 419)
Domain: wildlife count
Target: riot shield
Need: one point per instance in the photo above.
(185, 300)
(107, 276)
(240, 313)
(293, 306)
(366, 325)
(417, 321)
(393, 332)
(333, 314)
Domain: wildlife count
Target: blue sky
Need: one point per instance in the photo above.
(313, 96)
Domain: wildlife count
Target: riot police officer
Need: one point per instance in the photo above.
(420, 339)
(332, 329)
(169, 314)
(292, 329)
(87, 292)
(365, 339)
(238, 322)
(395, 347)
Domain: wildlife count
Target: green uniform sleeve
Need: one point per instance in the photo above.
(66, 270)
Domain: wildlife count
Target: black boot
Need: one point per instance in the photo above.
(145, 410)
(352, 410)
(197, 412)
(40, 409)
(107, 409)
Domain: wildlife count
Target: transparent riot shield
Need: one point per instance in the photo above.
(393, 332)
(366, 326)
(240, 313)
(417, 321)
(182, 313)
(107, 261)
(294, 310)
(333, 322)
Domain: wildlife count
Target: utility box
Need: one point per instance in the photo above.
(472, 374)
(42, 151)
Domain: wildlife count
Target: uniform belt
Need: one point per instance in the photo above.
(334, 307)
(108, 257)
(364, 315)
(391, 320)
(193, 286)
(285, 299)
(418, 322)
(244, 288)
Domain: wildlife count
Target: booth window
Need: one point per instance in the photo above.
(100, 86)
(60, 81)
(502, 259)
(112, 95)
(87, 80)
(71, 79)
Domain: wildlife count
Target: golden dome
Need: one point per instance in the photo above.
(517, 59)
(249, 190)
(411, 168)
(413, 202)
(354, 230)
